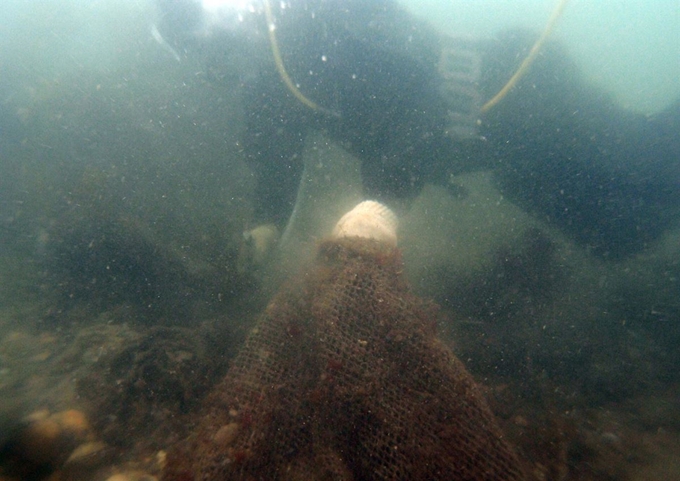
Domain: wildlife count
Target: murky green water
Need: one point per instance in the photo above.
(549, 236)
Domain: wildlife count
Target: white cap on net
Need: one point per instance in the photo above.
(371, 220)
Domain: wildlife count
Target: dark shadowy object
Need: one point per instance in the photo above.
(140, 396)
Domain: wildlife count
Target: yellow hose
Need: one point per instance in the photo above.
(279, 61)
(524, 67)
(521, 71)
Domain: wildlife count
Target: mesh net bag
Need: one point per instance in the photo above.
(344, 378)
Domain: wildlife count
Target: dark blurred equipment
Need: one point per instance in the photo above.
(344, 378)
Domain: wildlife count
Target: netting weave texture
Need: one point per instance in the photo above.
(344, 379)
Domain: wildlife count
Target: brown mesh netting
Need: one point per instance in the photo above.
(344, 379)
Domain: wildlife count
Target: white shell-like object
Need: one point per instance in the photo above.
(371, 220)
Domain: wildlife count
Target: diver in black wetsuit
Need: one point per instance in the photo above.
(562, 149)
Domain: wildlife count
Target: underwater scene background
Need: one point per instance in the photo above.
(133, 159)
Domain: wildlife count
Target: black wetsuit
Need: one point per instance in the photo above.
(372, 70)
(564, 150)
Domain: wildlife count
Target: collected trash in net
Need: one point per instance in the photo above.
(343, 378)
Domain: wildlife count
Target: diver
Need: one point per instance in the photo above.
(408, 103)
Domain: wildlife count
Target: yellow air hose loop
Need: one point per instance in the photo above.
(279, 61)
(521, 71)
(524, 67)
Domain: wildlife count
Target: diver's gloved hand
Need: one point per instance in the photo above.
(257, 247)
